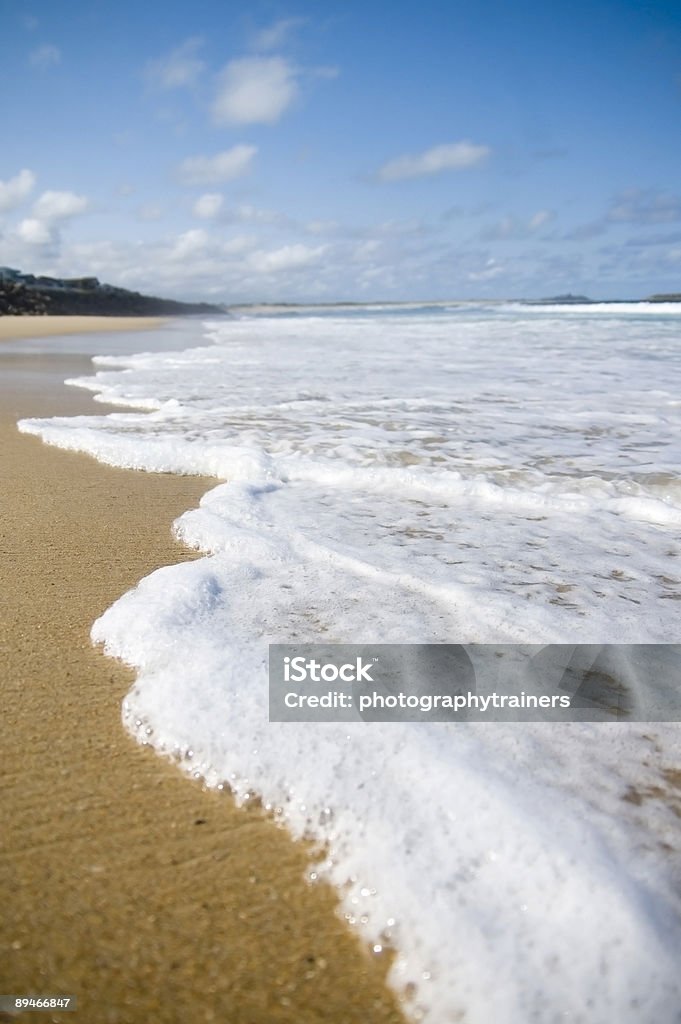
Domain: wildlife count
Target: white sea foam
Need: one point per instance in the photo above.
(444, 475)
(616, 309)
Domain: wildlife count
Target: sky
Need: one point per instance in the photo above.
(311, 152)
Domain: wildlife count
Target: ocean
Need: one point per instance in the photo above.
(462, 473)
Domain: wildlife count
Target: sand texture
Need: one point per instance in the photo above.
(124, 883)
(12, 327)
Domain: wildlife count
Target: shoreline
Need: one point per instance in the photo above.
(126, 884)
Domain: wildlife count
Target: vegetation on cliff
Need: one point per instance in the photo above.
(26, 295)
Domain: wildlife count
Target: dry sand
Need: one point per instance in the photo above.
(42, 326)
(123, 882)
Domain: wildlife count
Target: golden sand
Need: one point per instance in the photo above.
(124, 883)
(42, 326)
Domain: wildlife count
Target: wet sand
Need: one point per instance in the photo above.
(124, 883)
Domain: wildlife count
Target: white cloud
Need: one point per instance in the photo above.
(254, 90)
(247, 214)
(49, 210)
(453, 156)
(237, 245)
(45, 56)
(506, 228)
(540, 218)
(35, 232)
(16, 189)
(367, 250)
(209, 205)
(191, 243)
(274, 36)
(490, 270)
(179, 68)
(53, 206)
(149, 213)
(322, 227)
(289, 257)
(209, 170)
(511, 229)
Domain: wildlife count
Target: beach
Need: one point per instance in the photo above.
(127, 885)
(341, 491)
(340, 514)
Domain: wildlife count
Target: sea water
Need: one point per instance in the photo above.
(445, 474)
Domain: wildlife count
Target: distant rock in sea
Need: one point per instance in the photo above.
(28, 295)
(560, 300)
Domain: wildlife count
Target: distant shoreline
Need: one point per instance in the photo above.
(40, 321)
(559, 300)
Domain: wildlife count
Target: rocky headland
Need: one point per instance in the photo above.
(27, 295)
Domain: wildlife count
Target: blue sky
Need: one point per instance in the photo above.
(366, 150)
